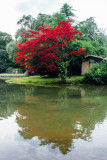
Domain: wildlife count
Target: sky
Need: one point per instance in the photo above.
(12, 10)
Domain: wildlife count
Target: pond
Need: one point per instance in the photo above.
(53, 123)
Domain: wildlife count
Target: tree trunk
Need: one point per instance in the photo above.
(63, 72)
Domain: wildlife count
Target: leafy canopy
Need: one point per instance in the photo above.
(5, 38)
(48, 48)
(4, 60)
(67, 11)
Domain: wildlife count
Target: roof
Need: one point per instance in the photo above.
(105, 58)
(93, 57)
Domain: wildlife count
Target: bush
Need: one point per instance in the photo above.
(97, 74)
(9, 70)
(12, 70)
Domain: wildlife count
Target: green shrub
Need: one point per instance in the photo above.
(9, 70)
(97, 74)
(12, 70)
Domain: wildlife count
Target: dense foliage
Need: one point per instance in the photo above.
(4, 60)
(97, 74)
(7, 49)
(11, 48)
(48, 49)
(5, 38)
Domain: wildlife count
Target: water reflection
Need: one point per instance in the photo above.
(58, 116)
(10, 97)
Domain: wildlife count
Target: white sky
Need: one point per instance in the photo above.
(12, 10)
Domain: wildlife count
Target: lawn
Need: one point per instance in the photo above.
(44, 80)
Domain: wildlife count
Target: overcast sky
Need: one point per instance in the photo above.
(12, 10)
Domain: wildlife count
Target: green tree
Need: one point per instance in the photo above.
(18, 35)
(12, 48)
(56, 18)
(91, 47)
(4, 39)
(94, 40)
(48, 20)
(41, 20)
(4, 60)
(102, 38)
(26, 21)
(67, 11)
(88, 28)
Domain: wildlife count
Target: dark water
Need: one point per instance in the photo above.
(59, 123)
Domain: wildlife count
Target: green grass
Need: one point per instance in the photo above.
(44, 80)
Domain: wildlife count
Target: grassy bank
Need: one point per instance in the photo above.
(44, 80)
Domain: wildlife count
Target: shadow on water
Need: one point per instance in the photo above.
(57, 116)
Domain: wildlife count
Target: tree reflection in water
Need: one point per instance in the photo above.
(60, 117)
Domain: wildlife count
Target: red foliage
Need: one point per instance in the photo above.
(46, 48)
(78, 52)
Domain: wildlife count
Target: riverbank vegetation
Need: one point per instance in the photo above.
(39, 80)
(97, 74)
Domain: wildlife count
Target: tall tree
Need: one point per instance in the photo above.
(48, 48)
(4, 60)
(67, 10)
(102, 38)
(26, 21)
(56, 18)
(88, 28)
(4, 39)
(41, 20)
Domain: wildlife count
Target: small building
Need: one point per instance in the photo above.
(86, 64)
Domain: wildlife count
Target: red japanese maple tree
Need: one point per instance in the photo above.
(47, 48)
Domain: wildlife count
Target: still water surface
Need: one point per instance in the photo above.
(59, 123)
